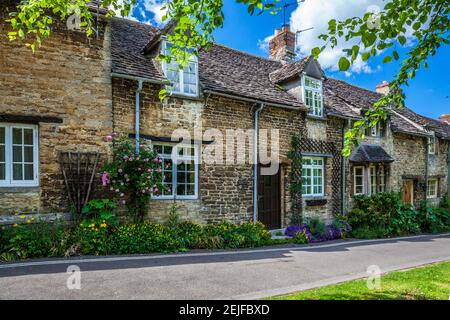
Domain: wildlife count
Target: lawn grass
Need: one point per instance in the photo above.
(430, 282)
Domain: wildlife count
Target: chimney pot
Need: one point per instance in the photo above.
(383, 88)
(445, 118)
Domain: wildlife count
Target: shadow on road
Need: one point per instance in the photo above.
(32, 267)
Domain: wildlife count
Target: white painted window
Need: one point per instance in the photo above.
(185, 80)
(313, 176)
(432, 190)
(377, 180)
(432, 145)
(18, 155)
(313, 96)
(382, 184)
(358, 180)
(180, 170)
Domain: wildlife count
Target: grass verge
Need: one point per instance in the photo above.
(430, 282)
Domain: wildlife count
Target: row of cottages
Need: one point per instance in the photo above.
(74, 91)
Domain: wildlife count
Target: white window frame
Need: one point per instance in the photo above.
(434, 190)
(432, 145)
(373, 184)
(9, 182)
(375, 131)
(192, 59)
(363, 180)
(312, 167)
(315, 91)
(174, 157)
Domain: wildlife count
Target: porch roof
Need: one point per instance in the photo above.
(370, 154)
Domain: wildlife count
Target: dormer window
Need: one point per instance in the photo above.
(313, 98)
(184, 80)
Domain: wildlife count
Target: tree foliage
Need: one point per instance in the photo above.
(423, 26)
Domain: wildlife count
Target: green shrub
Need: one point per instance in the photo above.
(91, 238)
(300, 238)
(315, 225)
(144, 237)
(405, 221)
(34, 240)
(445, 202)
(366, 232)
(375, 210)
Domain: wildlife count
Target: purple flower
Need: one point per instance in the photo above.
(105, 179)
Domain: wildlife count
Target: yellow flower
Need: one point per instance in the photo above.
(81, 224)
(15, 225)
(28, 221)
(22, 217)
(103, 225)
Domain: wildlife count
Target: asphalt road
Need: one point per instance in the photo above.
(247, 274)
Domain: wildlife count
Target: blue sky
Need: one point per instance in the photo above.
(428, 93)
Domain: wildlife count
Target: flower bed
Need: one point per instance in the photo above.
(316, 231)
(99, 237)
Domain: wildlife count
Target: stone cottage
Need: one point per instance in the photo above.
(74, 91)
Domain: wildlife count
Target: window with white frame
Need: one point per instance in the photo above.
(183, 80)
(179, 171)
(313, 97)
(312, 176)
(432, 189)
(377, 180)
(358, 180)
(375, 131)
(18, 155)
(432, 145)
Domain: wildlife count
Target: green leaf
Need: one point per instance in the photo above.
(395, 54)
(402, 40)
(387, 59)
(315, 52)
(365, 56)
(344, 64)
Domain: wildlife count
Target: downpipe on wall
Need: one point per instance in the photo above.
(138, 114)
(255, 162)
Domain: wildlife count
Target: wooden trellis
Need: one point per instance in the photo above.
(78, 169)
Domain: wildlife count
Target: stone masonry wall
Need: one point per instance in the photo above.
(68, 78)
(225, 190)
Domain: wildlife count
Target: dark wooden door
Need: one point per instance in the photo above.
(269, 200)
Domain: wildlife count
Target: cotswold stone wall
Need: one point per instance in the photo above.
(410, 155)
(325, 137)
(225, 190)
(67, 78)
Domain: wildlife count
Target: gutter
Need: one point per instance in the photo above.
(136, 78)
(255, 162)
(277, 105)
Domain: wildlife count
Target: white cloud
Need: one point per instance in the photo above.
(316, 14)
(155, 7)
(263, 45)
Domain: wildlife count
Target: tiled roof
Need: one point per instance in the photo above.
(289, 71)
(228, 71)
(370, 153)
(128, 39)
(242, 75)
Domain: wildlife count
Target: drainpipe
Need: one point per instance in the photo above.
(138, 113)
(255, 162)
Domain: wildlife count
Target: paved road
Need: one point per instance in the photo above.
(245, 274)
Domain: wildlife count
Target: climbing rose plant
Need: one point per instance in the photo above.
(133, 178)
(295, 176)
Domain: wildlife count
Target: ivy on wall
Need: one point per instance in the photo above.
(295, 176)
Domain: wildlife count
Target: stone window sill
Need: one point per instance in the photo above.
(311, 117)
(317, 201)
(18, 189)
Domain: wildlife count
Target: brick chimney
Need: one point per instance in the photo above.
(383, 88)
(282, 45)
(445, 118)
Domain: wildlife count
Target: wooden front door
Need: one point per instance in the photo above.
(408, 192)
(269, 200)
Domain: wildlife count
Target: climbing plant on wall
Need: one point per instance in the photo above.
(295, 176)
